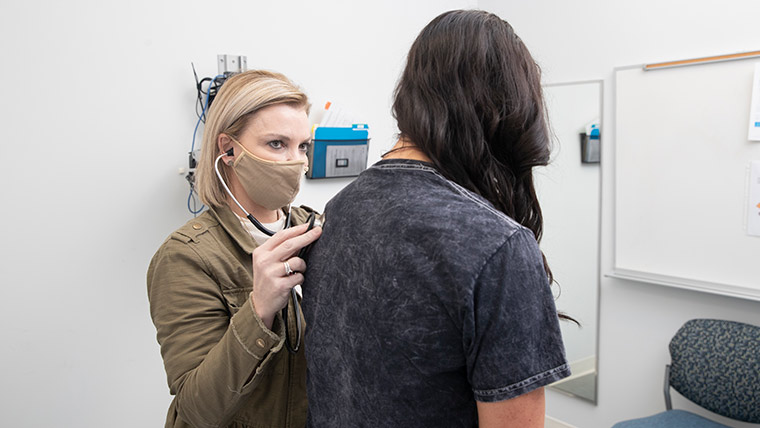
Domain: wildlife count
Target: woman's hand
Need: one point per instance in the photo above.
(271, 280)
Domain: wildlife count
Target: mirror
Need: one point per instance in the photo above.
(569, 193)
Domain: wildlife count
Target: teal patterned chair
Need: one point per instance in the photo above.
(715, 364)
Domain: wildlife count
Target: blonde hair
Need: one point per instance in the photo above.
(240, 97)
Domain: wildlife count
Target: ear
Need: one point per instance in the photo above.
(225, 143)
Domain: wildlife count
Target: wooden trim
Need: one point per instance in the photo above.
(717, 58)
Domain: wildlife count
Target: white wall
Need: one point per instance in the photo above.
(586, 39)
(96, 117)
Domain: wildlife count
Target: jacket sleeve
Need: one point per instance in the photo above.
(213, 361)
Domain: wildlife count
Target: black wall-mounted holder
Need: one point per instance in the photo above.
(590, 148)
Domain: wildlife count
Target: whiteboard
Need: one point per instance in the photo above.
(682, 157)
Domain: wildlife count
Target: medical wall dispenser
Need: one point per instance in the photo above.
(338, 151)
(590, 144)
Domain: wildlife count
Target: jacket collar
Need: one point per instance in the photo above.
(231, 224)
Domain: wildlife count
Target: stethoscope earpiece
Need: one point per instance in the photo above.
(234, 199)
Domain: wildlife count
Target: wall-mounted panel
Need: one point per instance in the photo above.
(682, 158)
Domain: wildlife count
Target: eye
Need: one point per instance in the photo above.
(304, 147)
(275, 144)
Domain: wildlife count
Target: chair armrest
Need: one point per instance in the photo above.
(666, 388)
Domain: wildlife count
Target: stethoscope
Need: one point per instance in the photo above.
(293, 294)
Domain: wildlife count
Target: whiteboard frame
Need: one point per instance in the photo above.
(717, 288)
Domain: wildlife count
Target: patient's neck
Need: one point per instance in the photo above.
(406, 150)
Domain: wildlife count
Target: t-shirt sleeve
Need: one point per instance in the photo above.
(511, 334)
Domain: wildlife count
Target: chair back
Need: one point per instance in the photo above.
(716, 364)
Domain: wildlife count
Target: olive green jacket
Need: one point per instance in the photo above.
(224, 367)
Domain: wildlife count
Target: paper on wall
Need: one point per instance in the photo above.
(753, 213)
(754, 112)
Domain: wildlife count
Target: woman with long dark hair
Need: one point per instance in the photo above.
(429, 265)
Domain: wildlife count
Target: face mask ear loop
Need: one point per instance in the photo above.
(218, 174)
(247, 214)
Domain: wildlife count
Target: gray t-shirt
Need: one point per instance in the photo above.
(420, 298)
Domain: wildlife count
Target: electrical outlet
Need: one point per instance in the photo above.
(231, 63)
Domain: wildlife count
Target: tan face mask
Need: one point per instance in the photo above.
(271, 184)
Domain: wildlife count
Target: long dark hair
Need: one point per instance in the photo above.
(470, 99)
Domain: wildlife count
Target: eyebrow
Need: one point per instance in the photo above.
(283, 137)
(276, 137)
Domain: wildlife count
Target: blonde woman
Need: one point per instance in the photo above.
(218, 284)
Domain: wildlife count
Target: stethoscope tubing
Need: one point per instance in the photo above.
(293, 294)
